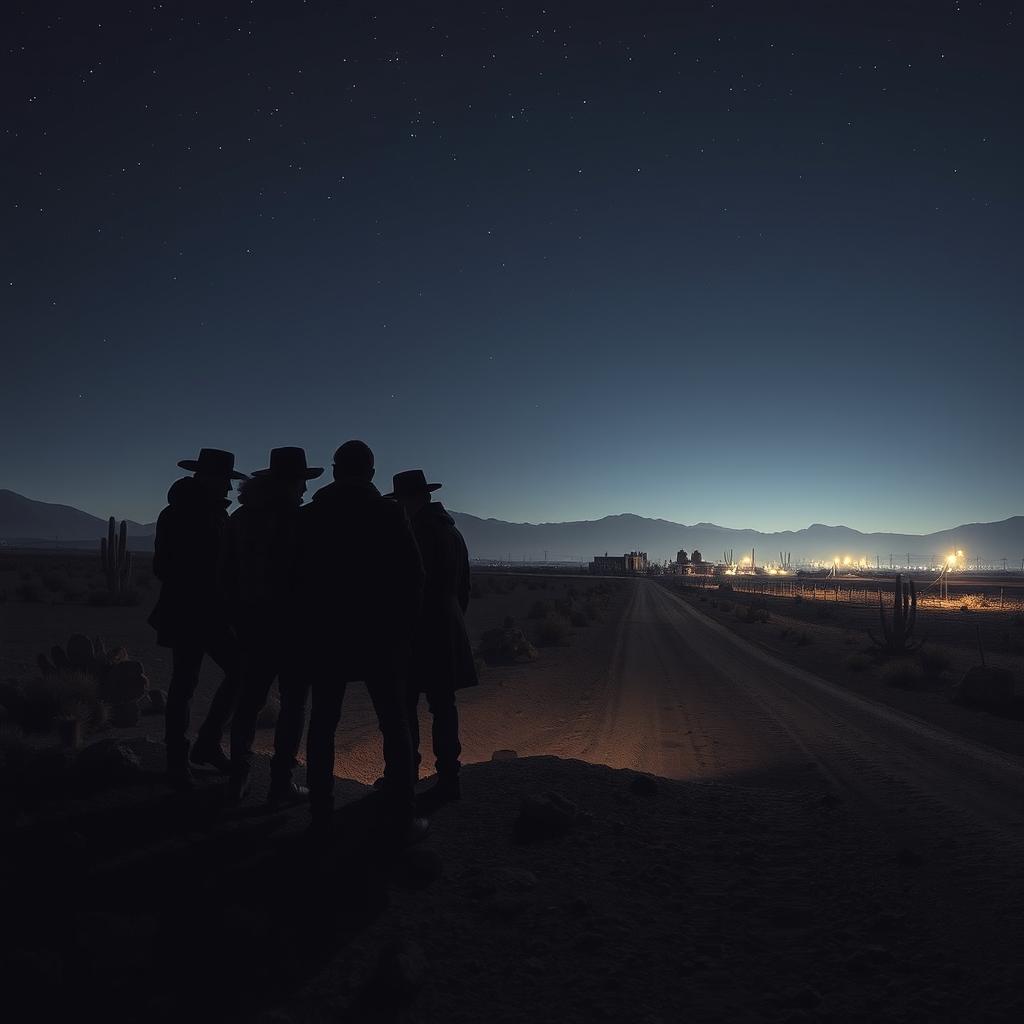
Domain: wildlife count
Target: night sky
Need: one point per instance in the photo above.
(750, 263)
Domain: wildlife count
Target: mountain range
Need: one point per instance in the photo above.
(25, 522)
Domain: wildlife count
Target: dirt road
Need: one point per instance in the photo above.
(670, 692)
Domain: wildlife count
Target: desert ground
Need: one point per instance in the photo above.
(703, 820)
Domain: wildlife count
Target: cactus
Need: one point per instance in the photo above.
(899, 633)
(99, 683)
(116, 560)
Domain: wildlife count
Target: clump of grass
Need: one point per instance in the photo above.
(803, 640)
(933, 662)
(858, 662)
(902, 675)
(540, 610)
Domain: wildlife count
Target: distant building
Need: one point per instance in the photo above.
(630, 564)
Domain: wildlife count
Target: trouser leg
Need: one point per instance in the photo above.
(389, 702)
(258, 671)
(294, 688)
(323, 721)
(223, 648)
(186, 660)
(445, 731)
(412, 714)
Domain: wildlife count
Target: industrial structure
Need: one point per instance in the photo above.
(633, 563)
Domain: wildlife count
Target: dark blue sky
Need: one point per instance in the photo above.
(751, 263)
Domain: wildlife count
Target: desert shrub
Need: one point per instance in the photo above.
(725, 587)
(965, 607)
(858, 662)
(553, 630)
(823, 611)
(702, 599)
(476, 591)
(902, 675)
(803, 640)
(798, 599)
(784, 632)
(563, 606)
(850, 639)
(1018, 620)
(530, 585)
(725, 606)
(540, 610)
(592, 611)
(54, 582)
(505, 644)
(755, 614)
(933, 662)
(3, 597)
(74, 594)
(28, 591)
(578, 618)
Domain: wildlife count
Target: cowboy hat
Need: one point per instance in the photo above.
(290, 463)
(412, 481)
(213, 462)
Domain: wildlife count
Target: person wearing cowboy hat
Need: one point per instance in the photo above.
(442, 659)
(258, 571)
(360, 586)
(190, 615)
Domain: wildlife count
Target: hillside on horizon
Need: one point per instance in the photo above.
(40, 524)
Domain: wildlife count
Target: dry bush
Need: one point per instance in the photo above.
(902, 675)
(553, 630)
(858, 662)
(540, 610)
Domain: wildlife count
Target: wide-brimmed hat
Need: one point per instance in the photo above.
(412, 481)
(289, 463)
(213, 462)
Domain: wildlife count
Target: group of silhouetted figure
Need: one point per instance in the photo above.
(351, 586)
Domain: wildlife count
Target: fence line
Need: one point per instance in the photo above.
(859, 592)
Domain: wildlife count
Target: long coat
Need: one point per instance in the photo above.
(186, 557)
(360, 582)
(259, 552)
(442, 657)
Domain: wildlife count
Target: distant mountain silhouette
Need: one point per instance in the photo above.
(661, 539)
(38, 523)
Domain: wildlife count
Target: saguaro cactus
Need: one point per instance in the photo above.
(899, 633)
(117, 562)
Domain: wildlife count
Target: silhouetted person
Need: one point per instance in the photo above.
(259, 577)
(190, 615)
(442, 657)
(361, 585)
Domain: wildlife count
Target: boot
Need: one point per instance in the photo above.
(179, 775)
(445, 790)
(206, 753)
(286, 794)
(238, 786)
